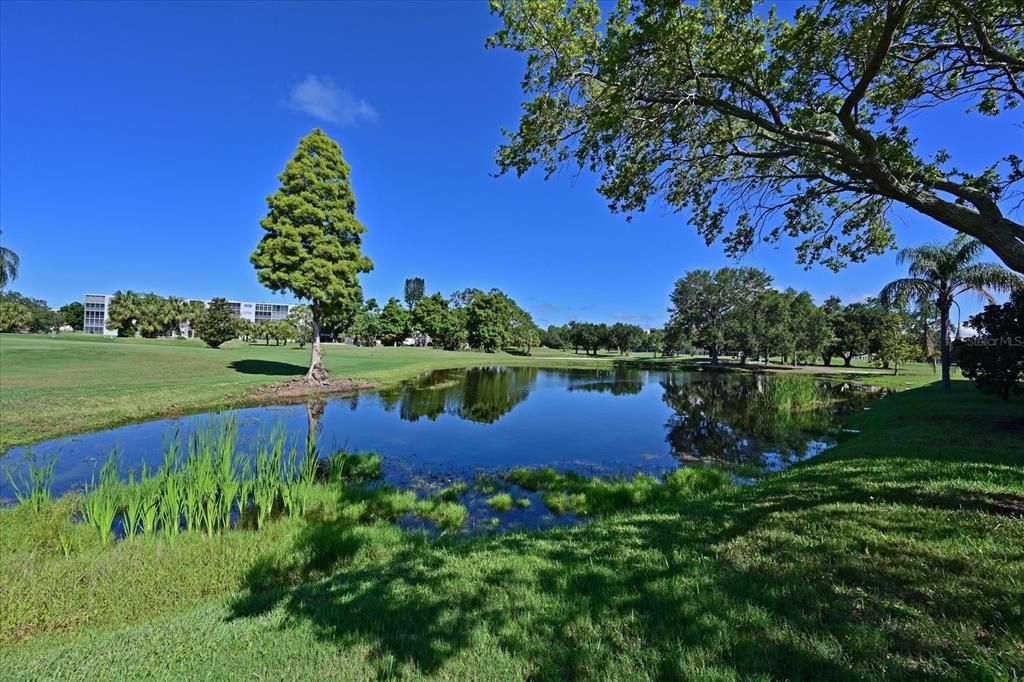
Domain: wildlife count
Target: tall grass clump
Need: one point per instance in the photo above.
(102, 500)
(33, 486)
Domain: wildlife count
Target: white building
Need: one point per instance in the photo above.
(97, 307)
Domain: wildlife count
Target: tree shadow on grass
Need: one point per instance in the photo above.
(267, 367)
(845, 569)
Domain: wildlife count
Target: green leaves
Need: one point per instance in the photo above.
(312, 242)
(762, 129)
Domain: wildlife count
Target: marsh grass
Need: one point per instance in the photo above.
(102, 500)
(568, 491)
(33, 486)
(501, 502)
(354, 467)
(207, 484)
(452, 493)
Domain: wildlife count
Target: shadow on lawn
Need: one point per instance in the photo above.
(267, 367)
(840, 570)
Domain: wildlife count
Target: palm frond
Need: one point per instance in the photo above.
(902, 290)
(983, 277)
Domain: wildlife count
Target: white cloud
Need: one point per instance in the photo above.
(319, 97)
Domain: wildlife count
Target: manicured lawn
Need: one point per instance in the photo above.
(897, 555)
(74, 383)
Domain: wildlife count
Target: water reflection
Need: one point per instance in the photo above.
(739, 419)
(482, 395)
(454, 424)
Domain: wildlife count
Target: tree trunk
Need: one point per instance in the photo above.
(826, 358)
(848, 360)
(944, 339)
(714, 357)
(317, 373)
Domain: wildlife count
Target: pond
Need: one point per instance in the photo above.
(458, 425)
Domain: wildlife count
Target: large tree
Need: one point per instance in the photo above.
(73, 315)
(941, 272)
(395, 322)
(703, 301)
(763, 126)
(312, 242)
(414, 289)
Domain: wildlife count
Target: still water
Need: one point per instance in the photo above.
(453, 425)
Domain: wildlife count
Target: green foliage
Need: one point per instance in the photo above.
(300, 317)
(23, 313)
(102, 500)
(489, 320)
(354, 467)
(414, 288)
(443, 324)
(895, 346)
(589, 336)
(763, 127)
(704, 305)
(395, 322)
(9, 263)
(940, 273)
(552, 338)
(626, 337)
(14, 317)
(218, 324)
(568, 491)
(73, 315)
(452, 493)
(311, 245)
(501, 502)
(33, 487)
(994, 358)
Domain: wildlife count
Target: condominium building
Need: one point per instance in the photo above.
(97, 308)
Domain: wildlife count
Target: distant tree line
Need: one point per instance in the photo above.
(19, 313)
(737, 312)
(470, 318)
(591, 337)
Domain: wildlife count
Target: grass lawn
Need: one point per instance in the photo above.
(899, 554)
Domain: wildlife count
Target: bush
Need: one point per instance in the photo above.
(994, 358)
(217, 324)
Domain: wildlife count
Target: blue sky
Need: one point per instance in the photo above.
(139, 140)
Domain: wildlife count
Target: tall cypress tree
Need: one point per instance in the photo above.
(312, 241)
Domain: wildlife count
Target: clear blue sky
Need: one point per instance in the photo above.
(138, 141)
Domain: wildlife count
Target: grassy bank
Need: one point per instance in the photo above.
(73, 383)
(899, 554)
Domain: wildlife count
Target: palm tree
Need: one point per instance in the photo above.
(9, 262)
(941, 272)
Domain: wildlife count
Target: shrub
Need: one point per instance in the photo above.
(994, 358)
(217, 324)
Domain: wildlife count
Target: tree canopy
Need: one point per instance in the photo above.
(765, 127)
(312, 241)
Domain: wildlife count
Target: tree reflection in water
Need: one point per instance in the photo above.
(483, 395)
(741, 419)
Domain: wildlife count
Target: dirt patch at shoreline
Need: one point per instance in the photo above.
(298, 388)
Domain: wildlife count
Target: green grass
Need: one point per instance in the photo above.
(54, 386)
(899, 554)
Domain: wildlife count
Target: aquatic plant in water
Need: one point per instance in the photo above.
(34, 486)
(102, 499)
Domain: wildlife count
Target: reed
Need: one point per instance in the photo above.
(102, 500)
(33, 486)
